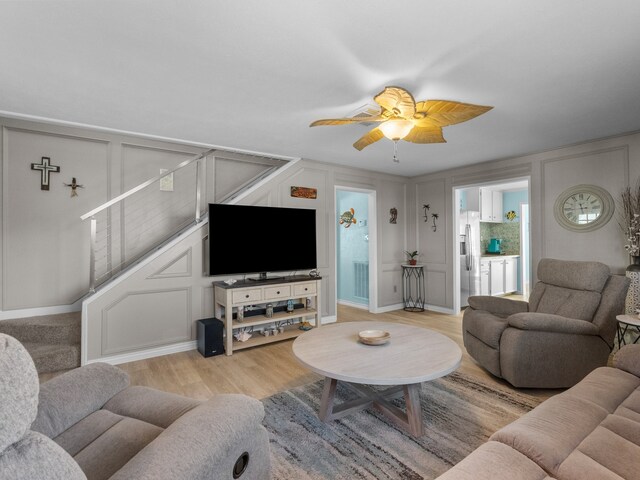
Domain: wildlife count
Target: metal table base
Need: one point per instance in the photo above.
(413, 294)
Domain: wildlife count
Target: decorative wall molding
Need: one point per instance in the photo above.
(182, 269)
(186, 320)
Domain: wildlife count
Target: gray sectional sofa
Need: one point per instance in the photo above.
(590, 431)
(89, 423)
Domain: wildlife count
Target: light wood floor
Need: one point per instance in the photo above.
(268, 369)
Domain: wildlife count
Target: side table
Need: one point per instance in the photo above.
(413, 288)
(627, 323)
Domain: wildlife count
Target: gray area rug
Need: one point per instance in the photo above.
(460, 413)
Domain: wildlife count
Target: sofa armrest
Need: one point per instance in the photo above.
(546, 322)
(628, 359)
(497, 305)
(68, 398)
(205, 443)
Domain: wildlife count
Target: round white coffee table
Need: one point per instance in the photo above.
(412, 356)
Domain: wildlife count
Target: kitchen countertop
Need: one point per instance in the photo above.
(489, 256)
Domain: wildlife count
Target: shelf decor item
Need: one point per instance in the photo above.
(374, 337)
(347, 218)
(629, 222)
(583, 208)
(412, 257)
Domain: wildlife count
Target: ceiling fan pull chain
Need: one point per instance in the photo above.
(395, 151)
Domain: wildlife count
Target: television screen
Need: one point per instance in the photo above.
(252, 239)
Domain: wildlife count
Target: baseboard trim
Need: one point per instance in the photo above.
(166, 349)
(435, 308)
(148, 353)
(354, 304)
(388, 308)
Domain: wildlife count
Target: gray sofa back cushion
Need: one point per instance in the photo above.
(573, 274)
(18, 391)
(567, 302)
(25, 454)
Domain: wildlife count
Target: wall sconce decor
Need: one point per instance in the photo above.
(347, 218)
(394, 215)
(434, 216)
(74, 186)
(45, 168)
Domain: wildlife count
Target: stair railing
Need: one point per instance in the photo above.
(129, 226)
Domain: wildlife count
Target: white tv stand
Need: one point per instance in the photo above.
(227, 299)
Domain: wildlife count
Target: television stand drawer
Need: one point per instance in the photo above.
(304, 288)
(248, 295)
(275, 293)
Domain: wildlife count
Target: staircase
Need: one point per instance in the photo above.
(53, 341)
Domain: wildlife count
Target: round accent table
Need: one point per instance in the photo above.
(627, 323)
(413, 288)
(413, 355)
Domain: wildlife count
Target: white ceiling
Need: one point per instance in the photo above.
(252, 74)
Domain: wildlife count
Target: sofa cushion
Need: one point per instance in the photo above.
(567, 302)
(86, 431)
(149, 405)
(606, 387)
(551, 431)
(36, 456)
(611, 451)
(107, 454)
(573, 274)
(485, 326)
(495, 461)
(68, 398)
(18, 391)
(630, 408)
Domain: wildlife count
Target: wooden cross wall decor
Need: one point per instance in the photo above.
(45, 168)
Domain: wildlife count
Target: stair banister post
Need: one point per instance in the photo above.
(92, 256)
(198, 190)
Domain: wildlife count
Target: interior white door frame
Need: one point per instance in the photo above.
(373, 244)
(455, 194)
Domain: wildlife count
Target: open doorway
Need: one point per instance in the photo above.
(355, 247)
(492, 239)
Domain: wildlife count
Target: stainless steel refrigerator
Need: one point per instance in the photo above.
(469, 248)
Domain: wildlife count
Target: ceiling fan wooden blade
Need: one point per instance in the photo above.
(430, 134)
(348, 121)
(397, 101)
(371, 137)
(444, 112)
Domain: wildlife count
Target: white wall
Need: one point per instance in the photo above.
(42, 235)
(610, 163)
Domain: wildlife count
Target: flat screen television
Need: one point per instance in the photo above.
(249, 239)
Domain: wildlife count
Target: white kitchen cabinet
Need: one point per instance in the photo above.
(510, 275)
(497, 277)
(484, 278)
(490, 205)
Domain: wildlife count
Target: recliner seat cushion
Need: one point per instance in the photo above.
(113, 449)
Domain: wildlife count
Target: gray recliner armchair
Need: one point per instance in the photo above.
(89, 423)
(565, 331)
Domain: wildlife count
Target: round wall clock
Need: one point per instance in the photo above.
(583, 208)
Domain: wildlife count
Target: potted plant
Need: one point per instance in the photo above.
(412, 257)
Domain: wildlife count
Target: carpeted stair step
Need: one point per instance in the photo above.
(53, 341)
(53, 357)
(63, 328)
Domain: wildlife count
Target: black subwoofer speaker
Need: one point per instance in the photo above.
(210, 337)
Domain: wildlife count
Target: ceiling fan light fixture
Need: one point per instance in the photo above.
(396, 129)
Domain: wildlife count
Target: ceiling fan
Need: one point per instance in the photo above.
(402, 118)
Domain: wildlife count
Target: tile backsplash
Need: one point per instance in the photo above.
(509, 233)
